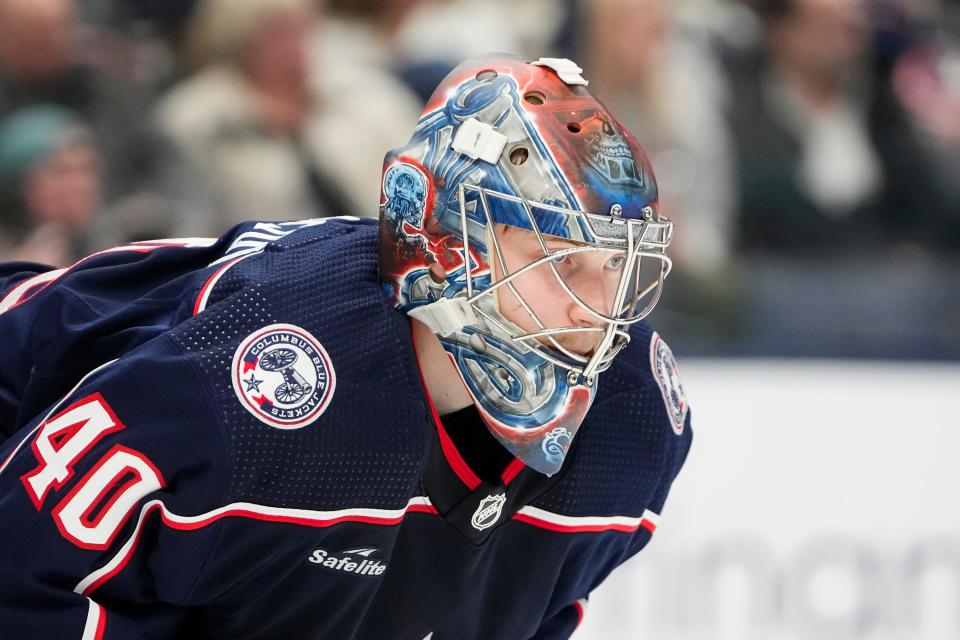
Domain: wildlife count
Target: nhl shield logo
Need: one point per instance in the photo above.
(283, 376)
(488, 512)
(667, 373)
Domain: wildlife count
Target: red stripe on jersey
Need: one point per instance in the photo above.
(513, 469)
(423, 508)
(29, 288)
(450, 452)
(305, 521)
(96, 622)
(93, 586)
(202, 297)
(319, 519)
(101, 624)
(579, 607)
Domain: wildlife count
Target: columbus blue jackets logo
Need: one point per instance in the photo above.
(283, 376)
(667, 373)
(405, 188)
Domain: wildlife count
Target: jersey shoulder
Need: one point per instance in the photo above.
(302, 353)
(634, 439)
(648, 361)
(150, 406)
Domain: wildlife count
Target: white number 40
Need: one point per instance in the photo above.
(93, 512)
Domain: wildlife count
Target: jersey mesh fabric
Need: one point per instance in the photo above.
(310, 280)
(613, 470)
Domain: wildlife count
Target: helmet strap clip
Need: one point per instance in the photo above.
(446, 316)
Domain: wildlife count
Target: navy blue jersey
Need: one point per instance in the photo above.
(232, 439)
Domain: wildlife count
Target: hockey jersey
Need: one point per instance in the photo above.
(232, 439)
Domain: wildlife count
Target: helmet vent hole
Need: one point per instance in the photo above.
(535, 97)
(486, 75)
(574, 127)
(519, 155)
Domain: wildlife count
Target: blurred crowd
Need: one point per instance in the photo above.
(808, 150)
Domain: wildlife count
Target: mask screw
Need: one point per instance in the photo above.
(589, 381)
(616, 211)
(648, 213)
(572, 378)
(477, 343)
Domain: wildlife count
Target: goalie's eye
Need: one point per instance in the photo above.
(616, 263)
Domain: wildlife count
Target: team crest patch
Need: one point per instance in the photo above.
(283, 376)
(667, 373)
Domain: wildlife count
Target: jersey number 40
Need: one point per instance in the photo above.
(98, 506)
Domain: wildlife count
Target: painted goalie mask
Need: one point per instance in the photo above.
(519, 187)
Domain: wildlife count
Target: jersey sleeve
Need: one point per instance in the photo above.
(676, 458)
(96, 500)
(673, 418)
(57, 324)
(563, 623)
(13, 274)
(16, 279)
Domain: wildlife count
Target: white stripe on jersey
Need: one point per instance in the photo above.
(96, 617)
(247, 510)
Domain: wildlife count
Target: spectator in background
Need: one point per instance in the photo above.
(826, 159)
(370, 26)
(448, 29)
(50, 186)
(145, 183)
(842, 211)
(926, 81)
(241, 118)
(436, 34)
(282, 125)
(361, 107)
(38, 66)
(666, 87)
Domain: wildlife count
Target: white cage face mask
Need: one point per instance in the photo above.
(572, 300)
(520, 225)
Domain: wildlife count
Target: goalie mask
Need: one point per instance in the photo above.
(517, 186)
